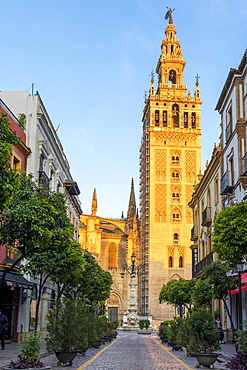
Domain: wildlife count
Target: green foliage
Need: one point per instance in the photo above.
(216, 275)
(39, 224)
(22, 120)
(68, 325)
(241, 338)
(144, 324)
(9, 178)
(202, 294)
(95, 283)
(31, 346)
(183, 332)
(163, 329)
(229, 236)
(173, 329)
(177, 292)
(203, 336)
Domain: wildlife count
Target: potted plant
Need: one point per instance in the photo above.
(67, 329)
(30, 354)
(163, 331)
(144, 327)
(203, 337)
(173, 330)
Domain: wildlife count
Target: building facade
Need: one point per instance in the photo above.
(15, 286)
(50, 168)
(170, 159)
(232, 107)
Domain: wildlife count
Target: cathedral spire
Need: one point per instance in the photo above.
(94, 203)
(132, 205)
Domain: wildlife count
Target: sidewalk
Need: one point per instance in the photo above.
(12, 350)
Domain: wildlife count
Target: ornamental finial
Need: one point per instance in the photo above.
(169, 14)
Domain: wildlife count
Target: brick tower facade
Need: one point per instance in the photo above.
(170, 159)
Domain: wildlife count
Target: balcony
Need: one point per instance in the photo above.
(44, 181)
(244, 165)
(194, 233)
(227, 183)
(206, 217)
(204, 262)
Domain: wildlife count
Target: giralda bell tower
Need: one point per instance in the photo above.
(170, 158)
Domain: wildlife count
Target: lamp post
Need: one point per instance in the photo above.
(130, 320)
(240, 309)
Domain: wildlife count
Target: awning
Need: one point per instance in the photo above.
(243, 287)
(17, 281)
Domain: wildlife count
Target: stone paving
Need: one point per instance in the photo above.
(130, 351)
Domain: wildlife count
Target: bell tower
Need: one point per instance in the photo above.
(170, 159)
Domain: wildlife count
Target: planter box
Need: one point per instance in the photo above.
(144, 331)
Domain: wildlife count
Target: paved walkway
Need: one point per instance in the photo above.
(130, 351)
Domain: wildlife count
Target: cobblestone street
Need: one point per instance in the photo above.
(131, 351)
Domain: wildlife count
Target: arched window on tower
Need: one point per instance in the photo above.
(157, 118)
(172, 76)
(186, 123)
(175, 115)
(181, 262)
(175, 160)
(164, 118)
(170, 261)
(176, 176)
(193, 120)
(175, 238)
(112, 256)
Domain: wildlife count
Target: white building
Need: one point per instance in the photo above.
(232, 106)
(50, 168)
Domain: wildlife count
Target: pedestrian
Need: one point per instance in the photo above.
(220, 330)
(3, 326)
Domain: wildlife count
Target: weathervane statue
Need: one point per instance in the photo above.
(169, 14)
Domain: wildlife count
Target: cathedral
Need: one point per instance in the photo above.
(113, 242)
(170, 156)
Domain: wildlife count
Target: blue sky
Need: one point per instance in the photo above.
(90, 60)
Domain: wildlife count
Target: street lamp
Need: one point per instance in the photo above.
(240, 308)
(131, 319)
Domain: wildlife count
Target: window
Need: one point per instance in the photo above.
(170, 261)
(16, 163)
(181, 262)
(175, 160)
(175, 238)
(193, 120)
(186, 120)
(175, 115)
(176, 176)
(175, 197)
(164, 118)
(157, 118)
(172, 73)
(176, 217)
(112, 256)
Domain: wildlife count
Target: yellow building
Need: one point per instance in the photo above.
(112, 242)
(170, 157)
